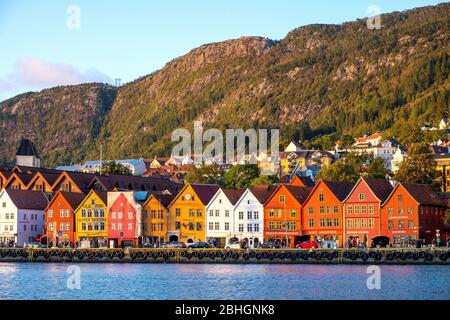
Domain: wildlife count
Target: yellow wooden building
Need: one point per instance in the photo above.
(91, 218)
(155, 216)
(443, 170)
(187, 217)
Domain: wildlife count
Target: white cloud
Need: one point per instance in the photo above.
(33, 73)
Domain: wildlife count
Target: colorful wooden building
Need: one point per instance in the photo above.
(125, 218)
(60, 219)
(187, 216)
(282, 214)
(155, 218)
(362, 212)
(92, 220)
(322, 217)
(413, 212)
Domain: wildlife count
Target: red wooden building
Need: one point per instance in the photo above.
(413, 212)
(322, 212)
(60, 218)
(362, 212)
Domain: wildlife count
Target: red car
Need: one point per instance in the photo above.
(307, 245)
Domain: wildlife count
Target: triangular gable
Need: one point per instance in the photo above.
(356, 186)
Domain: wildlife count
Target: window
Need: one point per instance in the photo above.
(51, 226)
(401, 225)
(400, 211)
(102, 226)
(249, 227)
(199, 213)
(336, 222)
(363, 209)
(90, 226)
(271, 213)
(321, 197)
(113, 226)
(293, 213)
(96, 214)
(211, 213)
(61, 213)
(241, 228)
(279, 213)
(7, 216)
(119, 215)
(211, 226)
(371, 209)
(191, 213)
(361, 196)
(177, 225)
(311, 223)
(336, 209)
(350, 209)
(279, 225)
(199, 226)
(271, 225)
(24, 227)
(329, 222)
(4, 204)
(410, 210)
(96, 226)
(256, 227)
(177, 212)
(282, 199)
(217, 226)
(322, 210)
(356, 209)
(390, 225)
(241, 215)
(227, 226)
(130, 215)
(130, 226)
(113, 215)
(227, 213)
(249, 215)
(89, 213)
(311, 210)
(50, 213)
(256, 215)
(410, 224)
(191, 226)
(400, 198)
(322, 222)
(119, 226)
(390, 211)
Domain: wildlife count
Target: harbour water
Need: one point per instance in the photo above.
(220, 282)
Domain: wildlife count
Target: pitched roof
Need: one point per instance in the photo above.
(424, 194)
(25, 199)
(233, 194)
(299, 193)
(134, 183)
(340, 189)
(164, 199)
(27, 148)
(73, 198)
(382, 188)
(205, 191)
(261, 193)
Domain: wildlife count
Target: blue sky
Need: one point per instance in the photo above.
(128, 39)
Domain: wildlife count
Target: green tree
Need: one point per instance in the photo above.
(418, 166)
(347, 141)
(264, 180)
(112, 167)
(376, 169)
(211, 174)
(349, 168)
(241, 176)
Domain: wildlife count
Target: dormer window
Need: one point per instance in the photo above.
(362, 196)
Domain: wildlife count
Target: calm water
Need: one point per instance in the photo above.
(147, 281)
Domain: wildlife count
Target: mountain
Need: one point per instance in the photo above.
(318, 80)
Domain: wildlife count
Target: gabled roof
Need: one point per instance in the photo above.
(164, 199)
(74, 199)
(423, 194)
(27, 148)
(205, 192)
(24, 178)
(262, 194)
(25, 199)
(299, 193)
(50, 178)
(381, 188)
(340, 189)
(233, 195)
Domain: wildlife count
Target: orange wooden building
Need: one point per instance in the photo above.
(60, 218)
(362, 212)
(413, 212)
(282, 214)
(322, 217)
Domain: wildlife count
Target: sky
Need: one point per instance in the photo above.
(47, 43)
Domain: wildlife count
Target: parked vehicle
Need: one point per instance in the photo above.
(34, 245)
(270, 245)
(173, 245)
(328, 244)
(199, 245)
(307, 245)
(233, 245)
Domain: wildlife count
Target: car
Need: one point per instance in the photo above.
(173, 245)
(199, 245)
(270, 245)
(233, 245)
(307, 245)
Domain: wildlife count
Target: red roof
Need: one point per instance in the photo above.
(382, 188)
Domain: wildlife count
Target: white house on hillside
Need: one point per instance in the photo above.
(21, 216)
(386, 150)
(397, 159)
